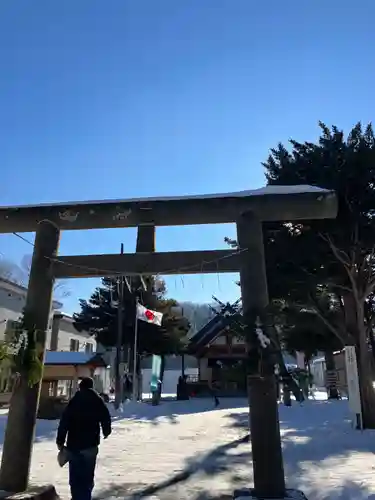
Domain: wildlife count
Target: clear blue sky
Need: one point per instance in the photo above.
(125, 98)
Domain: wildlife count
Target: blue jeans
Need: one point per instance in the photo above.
(81, 473)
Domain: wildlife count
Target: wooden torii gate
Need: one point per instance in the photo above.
(248, 209)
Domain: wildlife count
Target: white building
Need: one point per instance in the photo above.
(12, 302)
(61, 334)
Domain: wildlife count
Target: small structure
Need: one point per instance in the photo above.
(62, 371)
(221, 356)
(337, 378)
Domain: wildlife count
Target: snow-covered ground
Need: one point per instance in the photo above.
(188, 450)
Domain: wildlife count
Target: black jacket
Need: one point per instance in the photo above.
(81, 421)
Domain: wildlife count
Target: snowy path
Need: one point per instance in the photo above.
(201, 451)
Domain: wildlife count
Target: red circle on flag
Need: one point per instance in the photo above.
(149, 315)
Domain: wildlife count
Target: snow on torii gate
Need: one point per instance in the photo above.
(248, 209)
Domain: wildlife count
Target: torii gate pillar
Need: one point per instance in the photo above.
(269, 481)
(20, 429)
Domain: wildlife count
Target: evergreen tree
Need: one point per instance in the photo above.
(98, 316)
(336, 255)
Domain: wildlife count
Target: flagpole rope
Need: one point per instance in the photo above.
(106, 272)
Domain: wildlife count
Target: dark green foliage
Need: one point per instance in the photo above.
(98, 315)
(330, 258)
(22, 350)
(326, 258)
(301, 329)
(312, 253)
(323, 270)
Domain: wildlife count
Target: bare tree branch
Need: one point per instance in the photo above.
(20, 275)
(340, 287)
(10, 271)
(340, 255)
(60, 289)
(328, 324)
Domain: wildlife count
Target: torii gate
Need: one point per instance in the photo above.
(248, 209)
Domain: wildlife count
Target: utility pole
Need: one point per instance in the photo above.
(118, 378)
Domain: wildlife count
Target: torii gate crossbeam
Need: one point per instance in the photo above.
(247, 209)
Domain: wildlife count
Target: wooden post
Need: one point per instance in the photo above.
(20, 429)
(269, 481)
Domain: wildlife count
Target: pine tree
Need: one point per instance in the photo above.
(338, 254)
(98, 316)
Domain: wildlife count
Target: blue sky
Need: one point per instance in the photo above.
(125, 98)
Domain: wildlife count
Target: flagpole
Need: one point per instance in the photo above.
(135, 352)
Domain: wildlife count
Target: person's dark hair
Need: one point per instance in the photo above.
(86, 384)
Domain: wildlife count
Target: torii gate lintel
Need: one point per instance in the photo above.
(247, 209)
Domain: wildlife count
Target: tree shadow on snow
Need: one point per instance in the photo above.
(319, 434)
(221, 459)
(171, 410)
(45, 429)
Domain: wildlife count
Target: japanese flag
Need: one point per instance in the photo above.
(149, 316)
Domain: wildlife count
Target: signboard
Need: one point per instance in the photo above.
(155, 373)
(353, 385)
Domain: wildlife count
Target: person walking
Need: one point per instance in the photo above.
(79, 430)
(213, 392)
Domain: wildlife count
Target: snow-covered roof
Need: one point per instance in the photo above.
(264, 191)
(72, 358)
(65, 316)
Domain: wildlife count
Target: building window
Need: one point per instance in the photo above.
(89, 347)
(74, 345)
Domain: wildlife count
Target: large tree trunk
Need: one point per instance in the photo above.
(331, 385)
(355, 323)
(365, 375)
